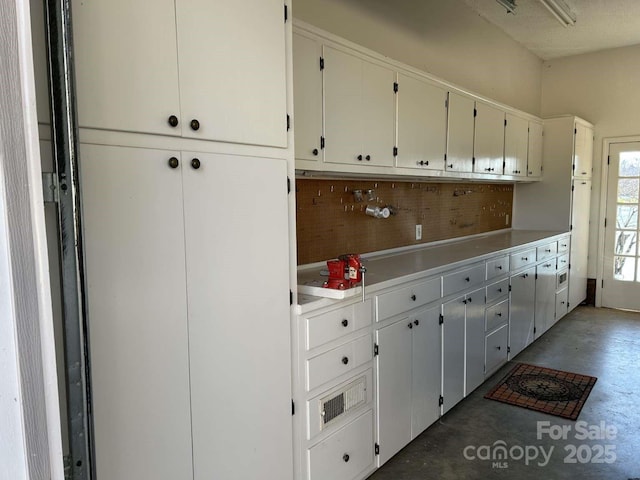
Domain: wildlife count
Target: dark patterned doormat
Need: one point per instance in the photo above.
(544, 389)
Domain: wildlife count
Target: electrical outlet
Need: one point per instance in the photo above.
(506, 220)
(418, 232)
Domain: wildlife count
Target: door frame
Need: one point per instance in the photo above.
(604, 179)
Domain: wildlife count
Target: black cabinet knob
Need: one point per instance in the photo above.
(410, 325)
(368, 158)
(195, 164)
(359, 157)
(345, 323)
(195, 124)
(450, 165)
(499, 267)
(499, 290)
(345, 360)
(413, 297)
(345, 457)
(499, 314)
(467, 279)
(173, 121)
(173, 162)
(315, 152)
(499, 347)
(469, 300)
(416, 322)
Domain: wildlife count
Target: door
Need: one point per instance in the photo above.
(378, 114)
(460, 125)
(137, 312)
(394, 388)
(307, 96)
(126, 76)
(422, 124)
(488, 146)
(581, 200)
(521, 316)
(474, 340)
(232, 64)
(516, 143)
(425, 371)
(534, 151)
(453, 352)
(621, 277)
(239, 335)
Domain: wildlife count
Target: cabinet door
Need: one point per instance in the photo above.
(488, 147)
(583, 151)
(474, 340)
(534, 155)
(581, 200)
(126, 65)
(394, 388)
(422, 124)
(545, 296)
(460, 125)
(378, 114)
(307, 97)
(426, 370)
(516, 143)
(135, 273)
(232, 64)
(453, 353)
(239, 338)
(521, 315)
(342, 107)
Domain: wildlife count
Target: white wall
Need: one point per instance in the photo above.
(444, 38)
(602, 88)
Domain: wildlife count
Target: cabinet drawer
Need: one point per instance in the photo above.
(496, 349)
(561, 303)
(497, 267)
(340, 360)
(497, 290)
(345, 454)
(408, 298)
(331, 325)
(463, 279)
(547, 251)
(563, 245)
(496, 315)
(563, 261)
(522, 259)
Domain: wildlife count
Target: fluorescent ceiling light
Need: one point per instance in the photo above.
(510, 5)
(561, 11)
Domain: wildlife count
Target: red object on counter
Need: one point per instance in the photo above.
(345, 272)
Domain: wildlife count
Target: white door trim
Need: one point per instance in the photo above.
(604, 178)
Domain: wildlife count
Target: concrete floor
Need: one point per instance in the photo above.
(600, 342)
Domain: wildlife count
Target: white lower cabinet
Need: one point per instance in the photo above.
(474, 340)
(408, 366)
(545, 297)
(521, 317)
(496, 349)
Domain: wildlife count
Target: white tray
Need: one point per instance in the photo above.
(315, 288)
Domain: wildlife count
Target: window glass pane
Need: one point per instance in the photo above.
(629, 164)
(628, 190)
(627, 216)
(626, 242)
(624, 268)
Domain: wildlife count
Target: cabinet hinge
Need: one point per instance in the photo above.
(505, 122)
(446, 103)
(290, 297)
(445, 157)
(573, 187)
(293, 407)
(286, 14)
(288, 185)
(575, 131)
(50, 187)
(475, 112)
(608, 159)
(322, 142)
(509, 287)
(569, 267)
(321, 63)
(504, 164)
(376, 449)
(473, 161)
(602, 284)
(395, 151)
(535, 329)
(441, 320)
(605, 223)
(376, 349)
(441, 401)
(395, 87)
(508, 349)
(536, 277)
(288, 122)
(570, 227)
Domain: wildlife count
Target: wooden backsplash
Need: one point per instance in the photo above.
(331, 222)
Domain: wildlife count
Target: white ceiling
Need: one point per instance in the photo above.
(600, 25)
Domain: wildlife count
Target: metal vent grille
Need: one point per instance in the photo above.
(341, 402)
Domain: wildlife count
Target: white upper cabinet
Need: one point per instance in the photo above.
(460, 134)
(489, 139)
(359, 110)
(307, 97)
(583, 151)
(516, 143)
(534, 155)
(422, 124)
(126, 65)
(161, 67)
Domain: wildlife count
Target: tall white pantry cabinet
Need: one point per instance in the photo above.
(185, 161)
(562, 200)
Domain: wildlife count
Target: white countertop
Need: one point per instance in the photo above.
(387, 269)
